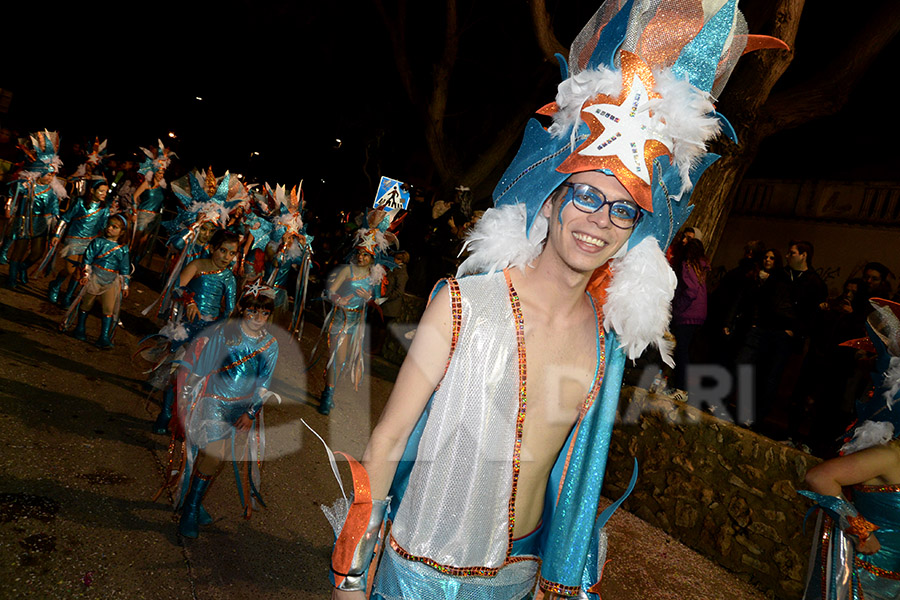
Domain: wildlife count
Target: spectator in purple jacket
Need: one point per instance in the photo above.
(689, 304)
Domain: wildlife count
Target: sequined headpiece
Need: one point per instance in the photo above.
(203, 197)
(156, 160)
(42, 152)
(377, 236)
(257, 288)
(94, 159)
(635, 103)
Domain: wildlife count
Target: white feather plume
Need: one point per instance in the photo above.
(869, 435)
(377, 274)
(892, 382)
(59, 187)
(639, 298)
(498, 240)
(684, 113)
(572, 93)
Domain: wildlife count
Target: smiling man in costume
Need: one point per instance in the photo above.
(489, 457)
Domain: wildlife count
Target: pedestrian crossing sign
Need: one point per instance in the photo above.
(392, 194)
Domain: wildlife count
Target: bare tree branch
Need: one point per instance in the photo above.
(543, 30)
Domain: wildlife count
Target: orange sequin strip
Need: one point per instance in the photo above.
(894, 575)
(895, 487)
(458, 571)
(520, 418)
(558, 588)
(456, 325)
(246, 358)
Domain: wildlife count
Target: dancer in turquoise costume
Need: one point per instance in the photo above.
(856, 553)
(223, 390)
(351, 289)
(90, 171)
(205, 203)
(490, 454)
(206, 296)
(106, 273)
(289, 248)
(34, 205)
(149, 197)
(85, 220)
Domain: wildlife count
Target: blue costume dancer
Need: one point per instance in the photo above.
(350, 290)
(107, 271)
(85, 220)
(34, 205)
(207, 295)
(205, 204)
(856, 552)
(149, 196)
(222, 397)
(502, 413)
(290, 247)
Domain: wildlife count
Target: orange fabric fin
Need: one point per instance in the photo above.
(356, 523)
(763, 42)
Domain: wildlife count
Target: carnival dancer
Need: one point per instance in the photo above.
(88, 172)
(106, 273)
(206, 295)
(856, 552)
(253, 219)
(289, 248)
(34, 204)
(221, 405)
(85, 220)
(149, 196)
(205, 202)
(350, 289)
(495, 476)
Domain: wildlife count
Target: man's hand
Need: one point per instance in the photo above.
(125, 292)
(191, 311)
(337, 594)
(244, 423)
(363, 293)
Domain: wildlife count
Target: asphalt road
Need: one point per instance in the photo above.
(79, 468)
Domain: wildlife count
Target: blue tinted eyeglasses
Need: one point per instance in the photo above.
(624, 214)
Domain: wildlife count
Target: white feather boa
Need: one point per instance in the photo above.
(639, 300)
(892, 382)
(869, 435)
(496, 242)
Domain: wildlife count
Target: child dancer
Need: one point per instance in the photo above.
(86, 219)
(222, 399)
(207, 292)
(107, 270)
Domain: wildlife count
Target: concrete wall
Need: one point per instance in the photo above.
(722, 490)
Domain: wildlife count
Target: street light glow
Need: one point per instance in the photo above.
(171, 134)
(199, 98)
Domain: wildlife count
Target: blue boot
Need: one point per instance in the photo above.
(4, 251)
(53, 289)
(65, 300)
(12, 281)
(326, 402)
(79, 333)
(23, 273)
(104, 342)
(189, 526)
(161, 426)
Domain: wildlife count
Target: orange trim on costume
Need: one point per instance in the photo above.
(762, 42)
(356, 524)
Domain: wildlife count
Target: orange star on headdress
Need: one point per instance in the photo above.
(625, 139)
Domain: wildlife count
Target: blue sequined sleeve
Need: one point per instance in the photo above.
(91, 253)
(264, 375)
(229, 296)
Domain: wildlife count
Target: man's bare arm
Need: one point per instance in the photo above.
(418, 377)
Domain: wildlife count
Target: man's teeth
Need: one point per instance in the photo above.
(589, 240)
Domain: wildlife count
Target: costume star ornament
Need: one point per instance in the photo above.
(625, 136)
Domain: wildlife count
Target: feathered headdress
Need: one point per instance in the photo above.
(42, 153)
(94, 159)
(636, 104)
(157, 159)
(877, 414)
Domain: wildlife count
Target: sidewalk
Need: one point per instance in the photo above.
(79, 468)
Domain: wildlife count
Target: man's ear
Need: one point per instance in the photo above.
(547, 207)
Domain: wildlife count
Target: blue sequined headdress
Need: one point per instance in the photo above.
(42, 153)
(157, 159)
(94, 160)
(635, 103)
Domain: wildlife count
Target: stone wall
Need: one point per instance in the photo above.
(722, 490)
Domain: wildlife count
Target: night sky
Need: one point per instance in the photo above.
(289, 79)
